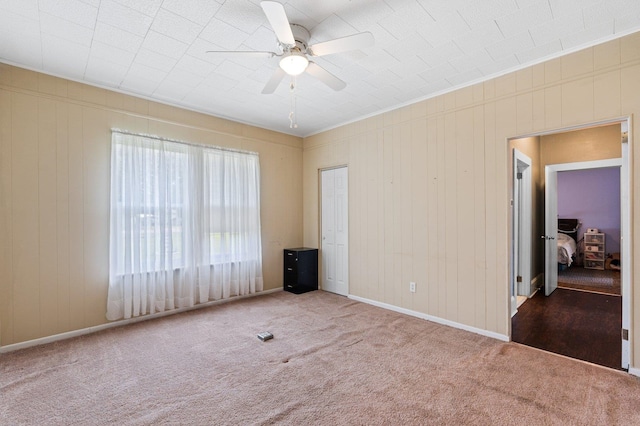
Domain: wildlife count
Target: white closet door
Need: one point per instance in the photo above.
(335, 230)
(551, 230)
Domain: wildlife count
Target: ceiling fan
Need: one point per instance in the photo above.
(294, 50)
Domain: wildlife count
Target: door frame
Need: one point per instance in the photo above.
(626, 247)
(321, 268)
(521, 237)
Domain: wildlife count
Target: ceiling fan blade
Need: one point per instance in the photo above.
(325, 76)
(343, 44)
(242, 53)
(274, 81)
(279, 21)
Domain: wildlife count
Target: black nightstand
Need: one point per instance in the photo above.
(300, 270)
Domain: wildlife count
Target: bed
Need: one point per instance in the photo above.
(567, 237)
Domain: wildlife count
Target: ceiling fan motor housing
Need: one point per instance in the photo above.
(301, 36)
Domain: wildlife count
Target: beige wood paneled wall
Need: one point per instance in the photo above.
(429, 199)
(597, 143)
(54, 194)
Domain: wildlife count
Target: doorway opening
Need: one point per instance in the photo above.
(593, 194)
(521, 283)
(595, 157)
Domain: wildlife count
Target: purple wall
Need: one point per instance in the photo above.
(593, 197)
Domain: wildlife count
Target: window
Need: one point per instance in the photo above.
(185, 225)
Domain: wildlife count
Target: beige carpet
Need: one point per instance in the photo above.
(333, 361)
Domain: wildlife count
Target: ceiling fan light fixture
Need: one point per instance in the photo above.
(294, 63)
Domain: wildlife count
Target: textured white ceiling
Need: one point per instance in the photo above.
(157, 49)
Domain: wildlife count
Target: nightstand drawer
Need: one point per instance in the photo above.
(290, 275)
(290, 259)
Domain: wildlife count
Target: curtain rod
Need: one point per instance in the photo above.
(202, 145)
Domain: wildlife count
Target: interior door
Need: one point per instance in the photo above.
(335, 230)
(551, 231)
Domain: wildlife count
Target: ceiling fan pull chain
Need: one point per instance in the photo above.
(293, 122)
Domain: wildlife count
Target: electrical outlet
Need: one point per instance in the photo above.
(412, 287)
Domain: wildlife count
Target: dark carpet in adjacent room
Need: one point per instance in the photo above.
(576, 277)
(577, 324)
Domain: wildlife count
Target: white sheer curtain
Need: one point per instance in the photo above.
(185, 225)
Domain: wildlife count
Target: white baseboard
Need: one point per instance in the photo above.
(534, 283)
(497, 336)
(431, 318)
(119, 323)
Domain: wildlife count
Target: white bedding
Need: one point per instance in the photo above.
(566, 248)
